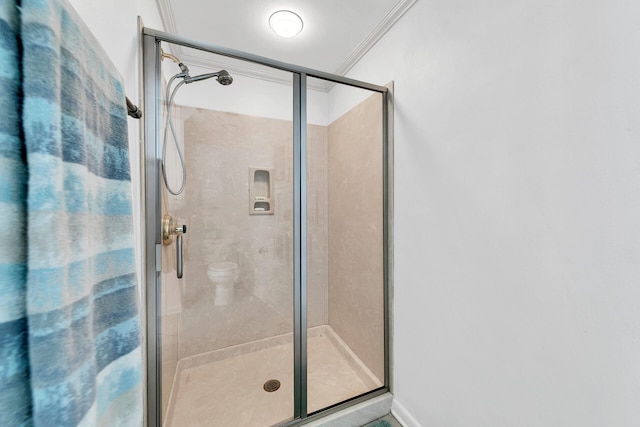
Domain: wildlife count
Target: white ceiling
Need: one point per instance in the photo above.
(336, 33)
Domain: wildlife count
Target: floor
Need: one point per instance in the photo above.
(390, 420)
(208, 387)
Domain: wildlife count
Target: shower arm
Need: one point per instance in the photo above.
(170, 56)
(183, 67)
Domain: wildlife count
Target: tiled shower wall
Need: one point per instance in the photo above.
(220, 149)
(343, 205)
(356, 296)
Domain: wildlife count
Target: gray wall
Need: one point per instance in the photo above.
(517, 198)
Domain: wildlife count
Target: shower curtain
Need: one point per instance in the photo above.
(70, 351)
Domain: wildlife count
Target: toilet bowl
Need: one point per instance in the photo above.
(223, 276)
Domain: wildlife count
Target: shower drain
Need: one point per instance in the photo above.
(271, 385)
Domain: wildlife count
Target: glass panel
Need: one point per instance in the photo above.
(345, 243)
(226, 326)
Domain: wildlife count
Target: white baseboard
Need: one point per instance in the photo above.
(402, 415)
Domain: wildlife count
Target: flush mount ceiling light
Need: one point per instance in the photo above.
(285, 23)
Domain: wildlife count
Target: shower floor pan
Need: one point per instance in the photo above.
(225, 387)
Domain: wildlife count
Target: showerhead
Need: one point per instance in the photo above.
(223, 77)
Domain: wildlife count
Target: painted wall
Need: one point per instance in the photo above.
(517, 198)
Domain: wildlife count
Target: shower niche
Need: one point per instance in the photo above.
(260, 191)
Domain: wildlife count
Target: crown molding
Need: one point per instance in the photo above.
(388, 21)
(166, 15)
(376, 34)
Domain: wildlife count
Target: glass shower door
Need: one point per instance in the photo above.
(280, 311)
(226, 327)
(345, 235)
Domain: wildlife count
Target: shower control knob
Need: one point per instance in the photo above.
(170, 228)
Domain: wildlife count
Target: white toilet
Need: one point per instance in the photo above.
(223, 276)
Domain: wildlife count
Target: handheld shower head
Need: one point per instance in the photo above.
(223, 77)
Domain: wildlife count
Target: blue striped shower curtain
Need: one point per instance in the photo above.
(70, 352)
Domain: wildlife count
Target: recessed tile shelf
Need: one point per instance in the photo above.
(260, 191)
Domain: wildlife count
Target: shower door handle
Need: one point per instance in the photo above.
(179, 231)
(179, 255)
(169, 228)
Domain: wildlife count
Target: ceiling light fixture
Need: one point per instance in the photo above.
(285, 23)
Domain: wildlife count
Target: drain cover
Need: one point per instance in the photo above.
(271, 385)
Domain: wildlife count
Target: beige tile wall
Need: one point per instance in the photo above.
(356, 231)
(219, 149)
(344, 221)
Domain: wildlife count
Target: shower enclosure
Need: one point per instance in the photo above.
(267, 277)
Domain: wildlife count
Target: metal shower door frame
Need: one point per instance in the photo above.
(152, 95)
